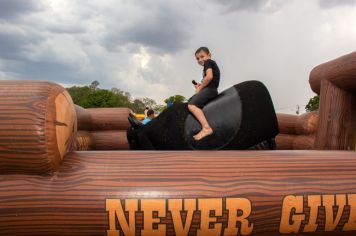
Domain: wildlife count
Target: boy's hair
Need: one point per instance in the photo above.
(204, 49)
(150, 112)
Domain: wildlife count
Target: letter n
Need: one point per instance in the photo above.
(114, 207)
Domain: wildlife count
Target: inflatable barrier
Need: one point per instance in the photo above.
(186, 193)
(335, 82)
(37, 126)
(297, 132)
(84, 141)
(48, 189)
(102, 128)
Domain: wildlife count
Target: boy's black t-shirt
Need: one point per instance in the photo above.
(214, 83)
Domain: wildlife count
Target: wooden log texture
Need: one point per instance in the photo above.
(83, 117)
(295, 142)
(109, 118)
(337, 126)
(294, 124)
(285, 141)
(84, 141)
(80, 198)
(335, 81)
(109, 140)
(341, 72)
(37, 126)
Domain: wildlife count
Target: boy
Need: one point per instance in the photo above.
(150, 116)
(204, 91)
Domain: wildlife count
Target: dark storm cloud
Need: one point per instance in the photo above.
(13, 8)
(335, 3)
(254, 5)
(162, 33)
(57, 71)
(163, 30)
(12, 45)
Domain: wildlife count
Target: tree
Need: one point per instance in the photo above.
(92, 97)
(313, 104)
(94, 85)
(116, 91)
(127, 94)
(79, 94)
(99, 98)
(175, 99)
(149, 102)
(138, 106)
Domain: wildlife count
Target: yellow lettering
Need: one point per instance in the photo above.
(205, 206)
(314, 202)
(148, 206)
(351, 223)
(115, 209)
(234, 205)
(291, 203)
(329, 203)
(175, 207)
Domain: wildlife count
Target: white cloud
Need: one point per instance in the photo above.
(146, 48)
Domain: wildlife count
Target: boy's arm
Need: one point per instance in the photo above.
(207, 79)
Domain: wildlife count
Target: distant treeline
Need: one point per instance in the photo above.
(92, 96)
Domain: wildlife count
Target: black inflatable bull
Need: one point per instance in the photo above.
(242, 117)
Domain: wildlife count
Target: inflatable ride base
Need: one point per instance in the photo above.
(186, 193)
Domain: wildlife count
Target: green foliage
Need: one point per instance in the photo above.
(175, 99)
(149, 102)
(313, 104)
(138, 106)
(93, 97)
(172, 99)
(79, 94)
(106, 98)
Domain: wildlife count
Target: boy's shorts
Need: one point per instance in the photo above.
(203, 97)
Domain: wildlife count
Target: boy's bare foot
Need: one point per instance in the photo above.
(203, 133)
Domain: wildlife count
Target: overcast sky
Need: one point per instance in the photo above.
(147, 47)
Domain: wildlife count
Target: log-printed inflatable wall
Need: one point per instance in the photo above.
(335, 81)
(102, 128)
(297, 132)
(186, 193)
(84, 141)
(37, 126)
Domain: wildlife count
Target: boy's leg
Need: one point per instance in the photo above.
(199, 114)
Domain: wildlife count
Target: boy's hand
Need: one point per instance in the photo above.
(198, 89)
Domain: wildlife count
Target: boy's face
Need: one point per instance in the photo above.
(202, 57)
